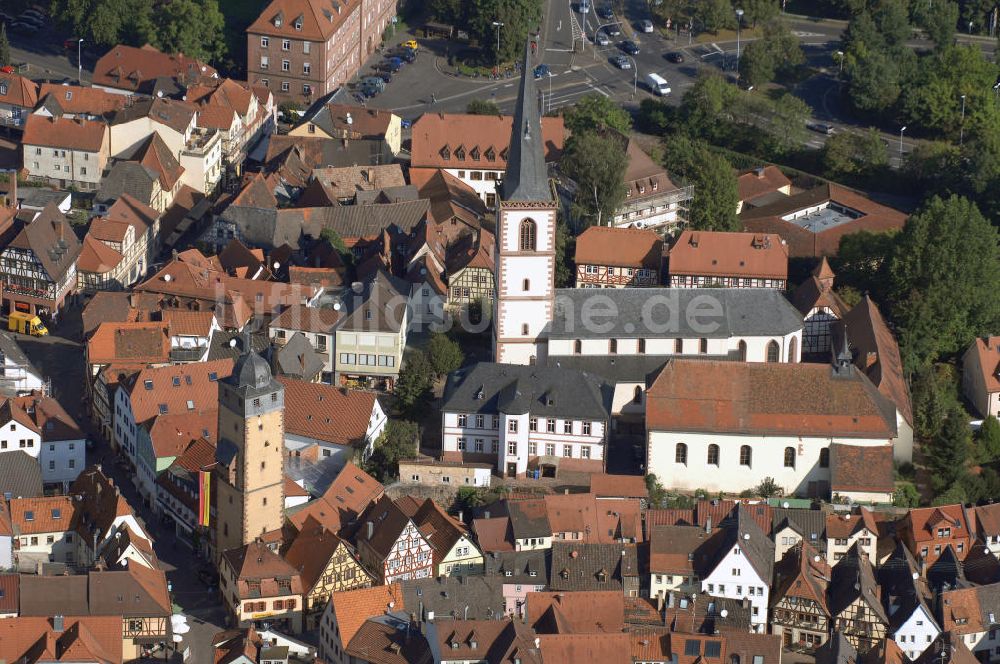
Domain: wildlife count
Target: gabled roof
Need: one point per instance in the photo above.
(315, 20)
(31, 516)
(43, 415)
(346, 498)
(353, 607)
(131, 68)
(922, 522)
(333, 120)
(133, 342)
(620, 247)
(947, 648)
(388, 521)
(177, 389)
(755, 545)
(853, 578)
(51, 239)
(20, 475)
(95, 639)
(684, 550)
(843, 526)
(441, 529)
(583, 612)
(749, 255)
(739, 397)
(346, 181)
(311, 550)
(644, 178)
(154, 154)
(761, 181)
(9, 593)
(802, 573)
(78, 134)
(578, 567)
(436, 135)
(77, 99)
(810, 524)
(18, 91)
(861, 468)
(877, 354)
(988, 350)
(258, 570)
(966, 610)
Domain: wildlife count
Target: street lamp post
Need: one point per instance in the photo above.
(597, 31)
(739, 23)
(901, 130)
(635, 76)
(79, 61)
(840, 71)
(498, 25)
(961, 126)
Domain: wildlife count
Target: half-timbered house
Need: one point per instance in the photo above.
(390, 545)
(470, 266)
(821, 307)
(799, 611)
(257, 584)
(327, 564)
(854, 602)
(38, 267)
(618, 258)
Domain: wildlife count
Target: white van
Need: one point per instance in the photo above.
(657, 84)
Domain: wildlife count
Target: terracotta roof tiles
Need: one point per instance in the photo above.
(750, 255)
(441, 139)
(621, 247)
(761, 181)
(82, 135)
(131, 68)
(858, 468)
(353, 607)
(146, 343)
(32, 516)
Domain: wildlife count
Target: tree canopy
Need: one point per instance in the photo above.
(445, 354)
(596, 162)
(399, 440)
(593, 112)
(944, 279)
(482, 107)
(4, 46)
(715, 192)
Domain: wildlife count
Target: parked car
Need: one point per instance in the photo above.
(674, 57)
(394, 64)
(411, 43)
(37, 22)
(613, 30)
(647, 25)
(541, 71)
(605, 12)
(19, 26)
(821, 128)
(408, 54)
(602, 39)
(630, 47)
(621, 62)
(385, 76)
(583, 6)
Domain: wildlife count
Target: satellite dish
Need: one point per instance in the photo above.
(168, 278)
(915, 576)
(785, 504)
(177, 638)
(746, 536)
(232, 342)
(816, 558)
(724, 613)
(276, 265)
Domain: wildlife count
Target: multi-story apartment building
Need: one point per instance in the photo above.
(517, 417)
(38, 267)
(18, 96)
(131, 70)
(372, 336)
(799, 612)
(258, 584)
(66, 153)
(618, 258)
(39, 426)
(927, 531)
(843, 531)
(390, 545)
(305, 49)
(728, 260)
(970, 615)
(42, 531)
(651, 199)
(470, 266)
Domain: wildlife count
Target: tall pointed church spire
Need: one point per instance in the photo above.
(526, 178)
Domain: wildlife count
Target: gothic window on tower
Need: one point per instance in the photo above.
(528, 234)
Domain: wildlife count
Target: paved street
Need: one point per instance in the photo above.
(60, 357)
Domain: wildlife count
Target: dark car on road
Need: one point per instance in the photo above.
(408, 54)
(629, 47)
(674, 57)
(605, 12)
(614, 29)
(394, 64)
(541, 71)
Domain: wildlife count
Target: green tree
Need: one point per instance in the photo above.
(758, 63)
(657, 494)
(447, 11)
(565, 253)
(875, 81)
(654, 116)
(707, 106)
(192, 27)
(759, 11)
(594, 112)
(332, 237)
(862, 262)
(107, 22)
(715, 192)
(482, 107)
(948, 453)
(520, 18)
(596, 162)
(413, 389)
(944, 277)
(4, 46)
(470, 497)
(399, 440)
(906, 495)
(768, 488)
(935, 394)
(988, 441)
(444, 354)
(955, 495)
(714, 15)
(849, 153)
(938, 20)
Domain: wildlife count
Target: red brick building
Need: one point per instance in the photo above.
(305, 49)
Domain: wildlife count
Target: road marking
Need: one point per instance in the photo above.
(801, 33)
(508, 85)
(560, 50)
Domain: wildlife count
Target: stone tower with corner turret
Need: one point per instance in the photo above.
(526, 237)
(250, 458)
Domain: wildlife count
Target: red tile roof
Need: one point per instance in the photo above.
(438, 134)
(644, 178)
(327, 413)
(751, 255)
(858, 468)
(32, 516)
(877, 354)
(620, 247)
(18, 91)
(343, 501)
(738, 397)
(761, 181)
(988, 349)
(581, 612)
(254, 562)
(76, 99)
(177, 389)
(77, 134)
(145, 343)
(922, 522)
(604, 485)
(9, 589)
(188, 323)
(97, 257)
(83, 639)
(128, 67)
(353, 607)
(604, 648)
(318, 20)
(493, 534)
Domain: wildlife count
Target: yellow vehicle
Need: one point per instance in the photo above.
(412, 43)
(25, 323)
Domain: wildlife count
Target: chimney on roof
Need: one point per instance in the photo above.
(759, 172)
(486, 514)
(371, 530)
(708, 525)
(58, 624)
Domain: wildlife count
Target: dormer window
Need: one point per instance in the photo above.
(69, 95)
(445, 153)
(278, 20)
(655, 185)
(460, 153)
(642, 189)
(491, 154)
(298, 23)
(475, 153)
(3, 88)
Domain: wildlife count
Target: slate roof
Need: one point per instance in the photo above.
(947, 648)
(297, 358)
(853, 578)
(736, 397)
(20, 475)
(487, 387)
(837, 650)
(578, 566)
(51, 239)
(757, 548)
(620, 313)
(448, 596)
(526, 178)
(810, 524)
(524, 567)
(127, 177)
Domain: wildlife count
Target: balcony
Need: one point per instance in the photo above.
(187, 354)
